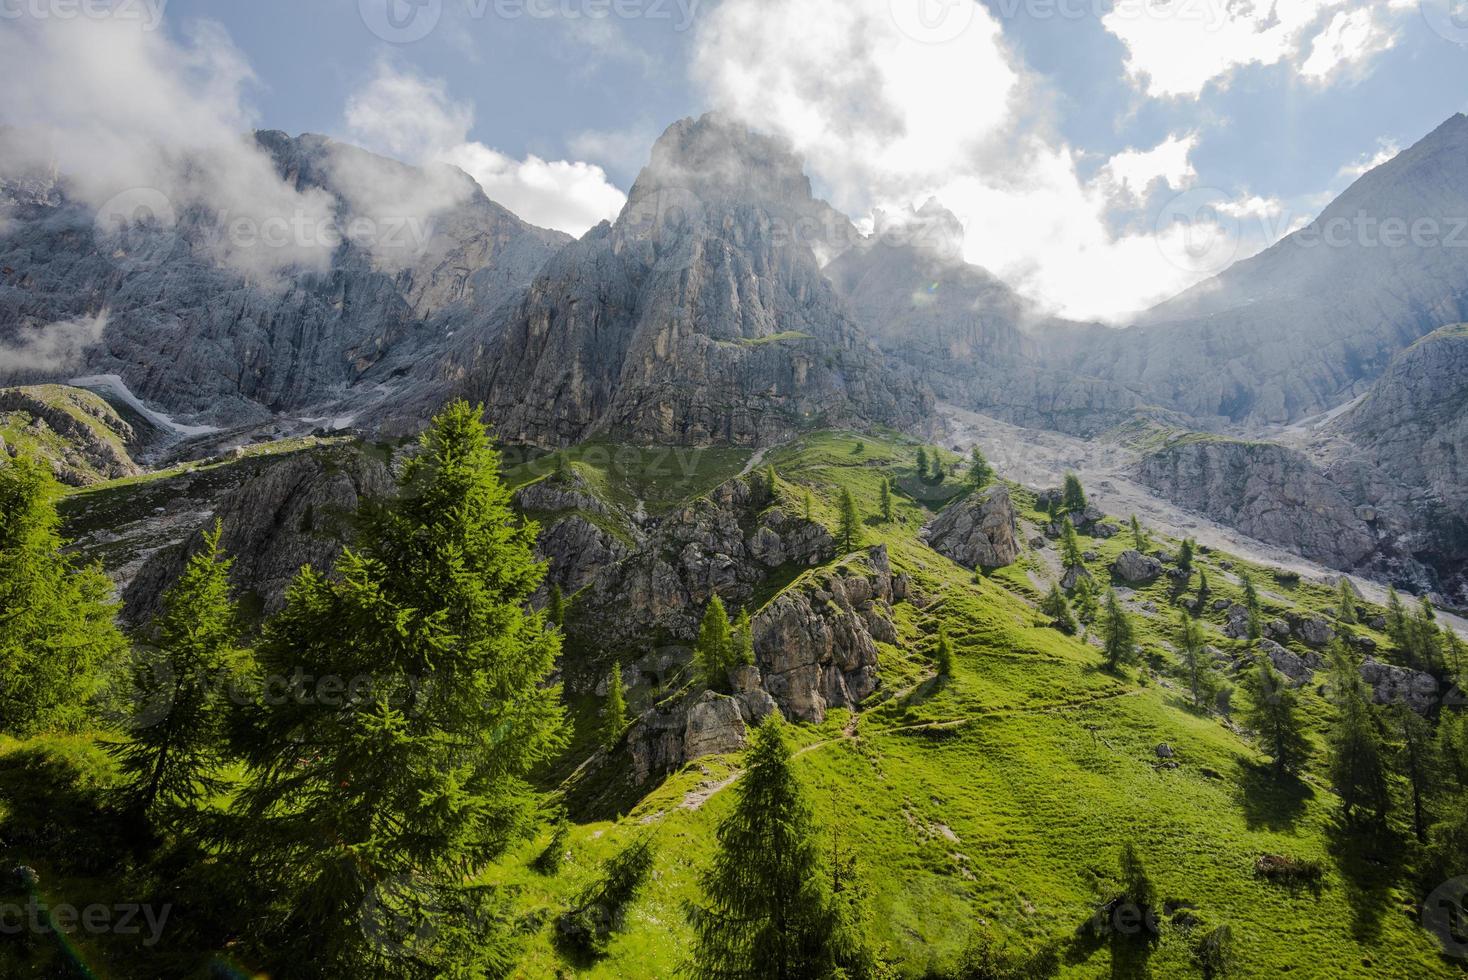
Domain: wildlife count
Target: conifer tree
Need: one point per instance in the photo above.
(979, 470)
(772, 486)
(57, 636)
(809, 504)
(713, 652)
(1357, 756)
(177, 744)
(1139, 536)
(886, 500)
(922, 463)
(1185, 554)
(1396, 618)
(1083, 599)
(614, 715)
(1273, 713)
(743, 638)
(555, 607)
(1452, 749)
(1073, 496)
(849, 530)
(1418, 762)
(1346, 602)
(939, 470)
(1070, 546)
(1119, 638)
(766, 912)
(1057, 607)
(1251, 604)
(371, 801)
(1198, 669)
(943, 654)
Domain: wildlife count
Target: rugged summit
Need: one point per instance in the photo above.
(700, 316)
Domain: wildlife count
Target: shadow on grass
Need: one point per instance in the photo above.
(1365, 856)
(58, 803)
(1130, 952)
(1270, 800)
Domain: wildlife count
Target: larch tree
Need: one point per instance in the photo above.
(922, 463)
(1119, 644)
(614, 714)
(885, 501)
(979, 470)
(1139, 536)
(190, 658)
(766, 911)
(1274, 714)
(1251, 605)
(1358, 769)
(1199, 671)
(373, 796)
(713, 651)
(1070, 546)
(943, 654)
(1345, 601)
(848, 532)
(555, 607)
(743, 638)
(1057, 607)
(1418, 762)
(57, 635)
(1073, 495)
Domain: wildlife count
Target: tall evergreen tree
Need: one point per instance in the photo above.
(1396, 618)
(766, 912)
(614, 714)
(848, 532)
(1139, 536)
(939, 471)
(1070, 546)
(885, 501)
(979, 470)
(1345, 601)
(743, 640)
(943, 653)
(809, 505)
(1073, 495)
(1083, 599)
(1452, 749)
(1358, 769)
(1057, 607)
(1418, 762)
(713, 651)
(1202, 677)
(1185, 554)
(1273, 713)
(57, 636)
(922, 463)
(1251, 604)
(370, 801)
(772, 485)
(555, 607)
(177, 744)
(1118, 636)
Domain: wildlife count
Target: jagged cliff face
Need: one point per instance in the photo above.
(1309, 323)
(421, 254)
(700, 316)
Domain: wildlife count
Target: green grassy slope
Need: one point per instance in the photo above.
(1002, 795)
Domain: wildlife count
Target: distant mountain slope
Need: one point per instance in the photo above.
(75, 432)
(421, 253)
(700, 316)
(1307, 324)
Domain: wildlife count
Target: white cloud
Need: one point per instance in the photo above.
(119, 109)
(52, 348)
(1177, 47)
(886, 120)
(413, 118)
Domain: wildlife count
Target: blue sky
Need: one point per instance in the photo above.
(1066, 134)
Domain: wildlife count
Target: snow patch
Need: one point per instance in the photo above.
(112, 384)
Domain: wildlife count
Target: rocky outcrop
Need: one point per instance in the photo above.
(1299, 669)
(816, 643)
(1267, 491)
(1390, 683)
(1312, 631)
(979, 531)
(725, 543)
(279, 512)
(76, 433)
(580, 534)
(683, 728)
(699, 316)
(1135, 568)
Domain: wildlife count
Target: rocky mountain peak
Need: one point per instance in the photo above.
(715, 158)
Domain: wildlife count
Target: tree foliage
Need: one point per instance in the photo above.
(714, 652)
(943, 654)
(848, 532)
(614, 714)
(1358, 769)
(1057, 607)
(57, 636)
(1274, 715)
(372, 795)
(979, 470)
(1202, 677)
(1119, 643)
(885, 501)
(1073, 495)
(1070, 546)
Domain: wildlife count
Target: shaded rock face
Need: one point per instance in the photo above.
(1299, 669)
(209, 343)
(1390, 683)
(1269, 492)
(278, 512)
(671, 734)
(723, 544)
(1135, 568)
(979, 531)
(82, 438)
(700, 316)
(574, 537)
(816, 643)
